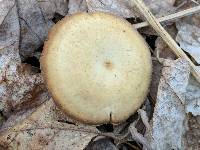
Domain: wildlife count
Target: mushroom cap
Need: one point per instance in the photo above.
(97, 67)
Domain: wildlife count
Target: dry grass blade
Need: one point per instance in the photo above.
(171, 17)
(194, 1)
(165, 35)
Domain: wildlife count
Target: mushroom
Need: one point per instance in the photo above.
(97, 67)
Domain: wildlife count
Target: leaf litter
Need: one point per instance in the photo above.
(41, 130)
(30, 120)
(188, 35)
(124, 8)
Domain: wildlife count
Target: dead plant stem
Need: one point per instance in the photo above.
(171, 17)
(165, 35)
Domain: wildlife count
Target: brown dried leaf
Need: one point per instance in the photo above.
(162, 49)
(18, 83)
(193, 133)
(19, 87)
(156, 75)
(41, 130)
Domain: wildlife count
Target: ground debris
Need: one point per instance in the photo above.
(76, 6)
(29, 119)
(193, 133)
(41, 130)
(188, 36)
(169, 115)
(125, 9)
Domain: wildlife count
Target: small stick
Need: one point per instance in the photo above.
(165, 35)
(171, 17)
(194, 1)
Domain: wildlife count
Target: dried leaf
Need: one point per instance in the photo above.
(5, 7)
(177, 94)
(18, 83)
(169, 114)
(193, 133)
(156, 74)
(33, 27)
(117, 7)
(193, 97)
(189, 39)
(19, 86)
(162, 49)
(102, 144)
(41, 130)
(35, 21)
(189, 36)
(76, 6)
(9, 54)
(50, 7)
(139, 137)
(123, 7)
(144, 118)
(9, 34)
(24, 25)
(159, 7)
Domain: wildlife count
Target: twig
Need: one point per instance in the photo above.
(139, 137)
(132, 146)
(165, 35)
(144, 118)
(194, 1)
(171, 17)
(181, 5)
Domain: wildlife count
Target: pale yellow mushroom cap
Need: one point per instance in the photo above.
(97, 67)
